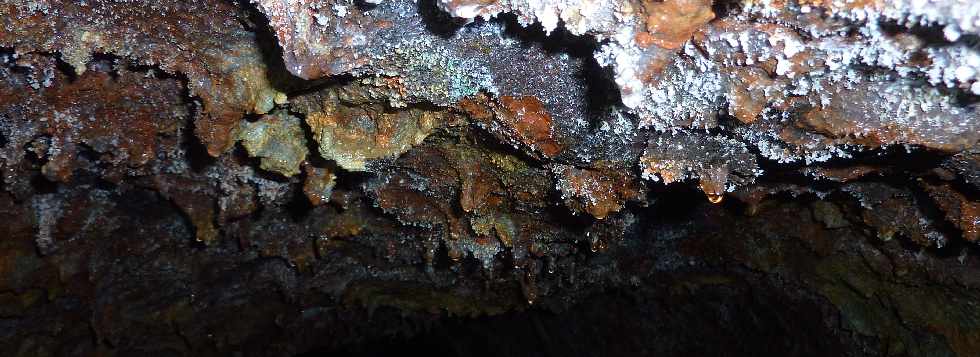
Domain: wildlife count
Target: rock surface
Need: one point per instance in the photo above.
(290, 177)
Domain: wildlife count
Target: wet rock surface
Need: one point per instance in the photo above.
(318, 177)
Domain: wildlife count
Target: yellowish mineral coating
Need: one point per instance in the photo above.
(278, 140)
(495, 224)
(251, 82)
(352, 136)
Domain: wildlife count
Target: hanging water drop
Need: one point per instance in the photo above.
(715, 198)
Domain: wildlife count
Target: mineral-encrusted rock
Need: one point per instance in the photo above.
(718, 163)
(769, 61)
(967, 165)
(319, 184)
(406, 166)
(599, 193)
(278, 140)
(118, 115)
(476, 200)
(960, 210)
(354, 132)
(894, 211)
(202, 40)
(525, 121)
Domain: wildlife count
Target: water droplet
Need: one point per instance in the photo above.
(715, 198)
(455, 254)
(597, 245)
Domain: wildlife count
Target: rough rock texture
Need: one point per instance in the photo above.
(489, 177)
(205, 41)
(278, 140)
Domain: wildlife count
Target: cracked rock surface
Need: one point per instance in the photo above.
(489, 177)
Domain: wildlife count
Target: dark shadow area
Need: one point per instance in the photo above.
(658, 316)
(437, 21)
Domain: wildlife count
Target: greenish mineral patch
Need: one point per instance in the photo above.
(276, 139)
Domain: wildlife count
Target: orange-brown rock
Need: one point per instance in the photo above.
(598, 192)
(200, 210)
(527, 121)
(122, 117)
(203, 40)
(670, 23)
(963, 212)
(748, 95)
(319, 184)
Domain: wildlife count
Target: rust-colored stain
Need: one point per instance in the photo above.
(528, 119)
